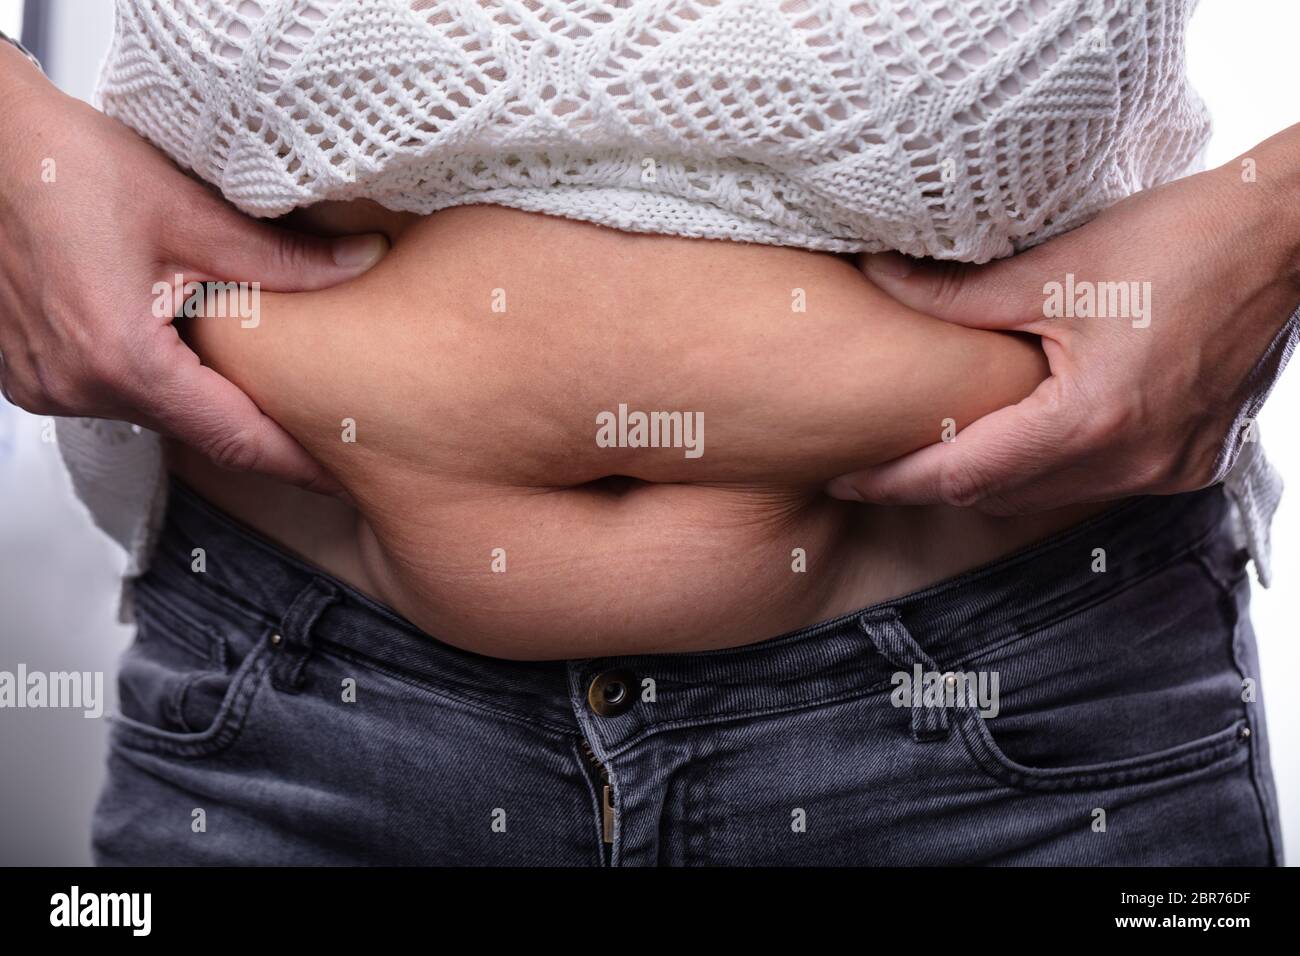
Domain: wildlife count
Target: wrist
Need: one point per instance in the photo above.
(30, 105)
(17, 45)
(1262, 191)
(17, 67)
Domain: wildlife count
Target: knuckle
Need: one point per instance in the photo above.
(960, 486)
(100, 374)
(17, 393)
(290, 253)
(234, 450)
(31, 399)
(55, 389)
(950, 284)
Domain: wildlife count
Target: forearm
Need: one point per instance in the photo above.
(1259, 215)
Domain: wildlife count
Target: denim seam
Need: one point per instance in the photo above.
(938, 589)
(330, 648)
(298, 633)
(183, 623)
(974, 655)
(1267, 821)
(1194, 550)
(270, 549)
(351, 597)
(177, 701)
(584, 771)
(1007, 561)
(1221, 747)
(1225, 585)
(225, 730)
(650, 730)
(229, 600)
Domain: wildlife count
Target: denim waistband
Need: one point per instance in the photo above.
(832, 660)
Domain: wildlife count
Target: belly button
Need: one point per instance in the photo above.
(617, 485)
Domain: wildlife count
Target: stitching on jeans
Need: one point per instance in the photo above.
(225, 730)
(182, 623)
(941, 588)
(650, 730)
(208, 587)
(1267, 817)
(1225, 585)
(254, 539)
(583, 769)
(338, 651)
(1220, 747)
(1104, 597)
(940, 662)
(1087, 779)
(176, 702)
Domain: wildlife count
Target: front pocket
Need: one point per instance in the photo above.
(1227, 746)
(185, 682)
(1139, 685)
(240, 689)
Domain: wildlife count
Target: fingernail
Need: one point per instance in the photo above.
(843, 489)
(359, 252)
(887, 265)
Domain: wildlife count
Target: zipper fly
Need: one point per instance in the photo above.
(606, 795)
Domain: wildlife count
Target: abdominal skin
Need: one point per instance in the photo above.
(474, 374)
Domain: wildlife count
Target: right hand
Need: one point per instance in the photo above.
(93, 217)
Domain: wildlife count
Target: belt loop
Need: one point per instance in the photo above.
(295, 645)
(891, 638)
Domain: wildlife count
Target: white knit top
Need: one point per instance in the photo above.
(958, 129)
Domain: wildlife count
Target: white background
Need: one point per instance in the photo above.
(58, 575)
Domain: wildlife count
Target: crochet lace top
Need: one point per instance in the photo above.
(958, 129)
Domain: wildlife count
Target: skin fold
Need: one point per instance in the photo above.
(475, 429)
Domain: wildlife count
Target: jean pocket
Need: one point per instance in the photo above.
(186, 682)
(1138, 685)
(1224, 747)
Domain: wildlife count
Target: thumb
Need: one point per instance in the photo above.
(236, 248)
(983, 465)
(1001, 294)
(211, 414)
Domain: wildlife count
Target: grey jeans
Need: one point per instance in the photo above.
(270, 714)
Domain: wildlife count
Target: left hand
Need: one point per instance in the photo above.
(1155, 401)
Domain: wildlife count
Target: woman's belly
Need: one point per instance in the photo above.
(564, 441)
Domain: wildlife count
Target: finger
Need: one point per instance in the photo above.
(1074, 481)
(212, 415)
(1007, 293)
(983, 465)
(226, 244)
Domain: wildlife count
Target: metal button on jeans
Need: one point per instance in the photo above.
(612, 692)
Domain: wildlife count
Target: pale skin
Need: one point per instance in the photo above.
(476, 430)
